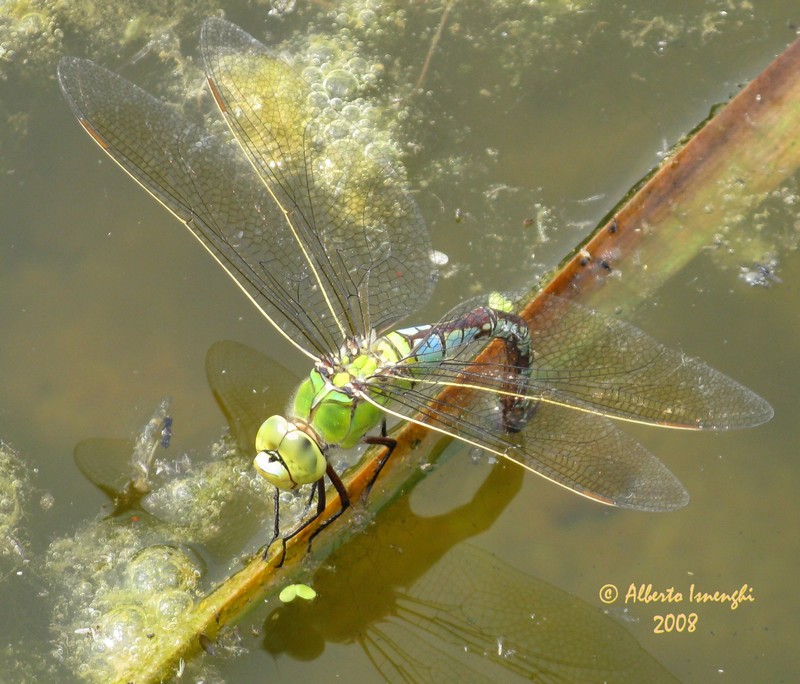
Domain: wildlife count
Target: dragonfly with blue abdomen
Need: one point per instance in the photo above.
(318, 228)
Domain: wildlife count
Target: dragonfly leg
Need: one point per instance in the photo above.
(390, 443)
(276, 530)
(319, 490)
(344, 500)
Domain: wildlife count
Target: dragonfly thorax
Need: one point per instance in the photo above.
(329, 409)
(334, 406)
(360, 358)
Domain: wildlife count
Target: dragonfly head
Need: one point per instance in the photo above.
(288, 456)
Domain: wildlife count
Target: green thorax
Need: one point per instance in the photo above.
(328, 400)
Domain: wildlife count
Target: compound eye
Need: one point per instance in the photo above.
(271, 433)
(271, 468)
(287, 457)
(302, 457)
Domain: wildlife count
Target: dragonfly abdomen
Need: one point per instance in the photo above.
(435, 345)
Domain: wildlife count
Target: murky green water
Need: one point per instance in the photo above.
(551, 114)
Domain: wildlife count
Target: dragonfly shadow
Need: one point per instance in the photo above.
(425, 606)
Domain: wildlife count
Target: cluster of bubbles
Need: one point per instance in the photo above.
(343, 90)
(118, 592)
(14, 487)
(27, 33)
(122, 605)
(34, 34)
(124, 585)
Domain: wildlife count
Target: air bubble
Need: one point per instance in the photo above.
(160, 567)
(317, 100)
(174, 603)
(120, 628)
(337, 129)
(367, 17)
(357, 65)
(320, 53)
(340, 83)
(313, 75)
(351, 112)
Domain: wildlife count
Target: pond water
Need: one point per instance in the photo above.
(531, 124)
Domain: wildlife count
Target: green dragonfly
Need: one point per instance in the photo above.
(319, 230)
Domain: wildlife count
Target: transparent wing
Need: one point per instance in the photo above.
(348, 215)
(591, 362)
(205, 181)
(586, 366)
(321, 258)
(581, 451)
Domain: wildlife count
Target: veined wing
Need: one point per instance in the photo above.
(206, 182)
(348, 214)
(587, 361)
(243, 382)
(594, 362)
(581, 451)
(321, 260)
(585, 366)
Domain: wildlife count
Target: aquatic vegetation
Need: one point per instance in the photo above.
(14, 493)
(121, 583)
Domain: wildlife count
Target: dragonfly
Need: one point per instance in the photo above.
(319, 229)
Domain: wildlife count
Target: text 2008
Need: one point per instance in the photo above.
(675, 623)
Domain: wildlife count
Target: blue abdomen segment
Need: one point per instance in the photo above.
(433, 345)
